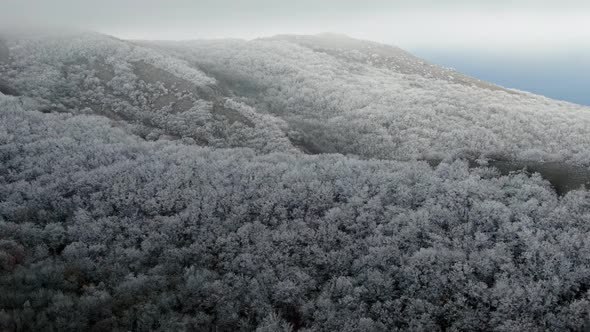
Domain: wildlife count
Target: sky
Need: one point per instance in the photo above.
(444, 31)
(410, 23)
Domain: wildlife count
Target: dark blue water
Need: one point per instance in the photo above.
(558, 76)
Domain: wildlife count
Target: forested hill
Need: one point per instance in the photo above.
(150, 94)
(279, 185)
(343, 95)
(317, 94)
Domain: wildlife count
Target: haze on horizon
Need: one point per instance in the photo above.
(521, 24)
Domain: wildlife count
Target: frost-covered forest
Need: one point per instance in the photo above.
(294, 183)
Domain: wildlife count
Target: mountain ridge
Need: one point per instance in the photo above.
(380, 54)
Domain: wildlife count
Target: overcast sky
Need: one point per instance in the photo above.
(524, 24)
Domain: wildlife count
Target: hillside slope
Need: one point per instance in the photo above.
(319, 94)
(151, 94)
(342, 95)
